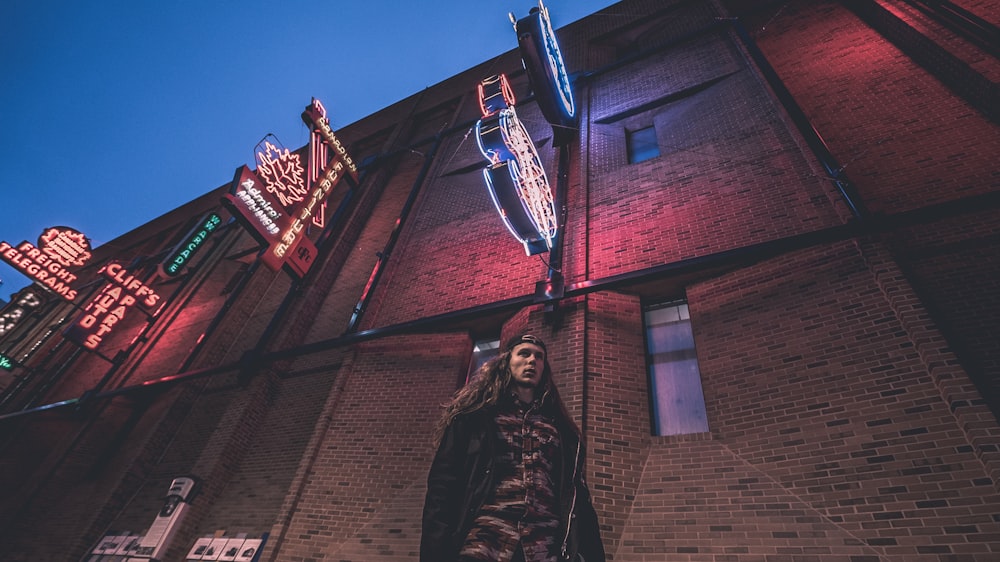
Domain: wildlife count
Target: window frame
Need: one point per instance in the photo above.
(652, 392)
(491, 344)
(634, 157)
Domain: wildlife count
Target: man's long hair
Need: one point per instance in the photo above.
(489, 384)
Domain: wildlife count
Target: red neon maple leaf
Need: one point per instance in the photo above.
(282, 173)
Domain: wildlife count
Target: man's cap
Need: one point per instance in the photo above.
(525, 338)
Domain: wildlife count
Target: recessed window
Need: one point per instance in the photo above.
(641, 144)
(678, 402)
(482, 351)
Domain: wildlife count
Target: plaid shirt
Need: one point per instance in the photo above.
(524, 507)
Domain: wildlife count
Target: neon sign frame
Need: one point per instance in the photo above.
(546, 70)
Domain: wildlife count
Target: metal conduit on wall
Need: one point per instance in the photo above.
(704, 265)
(956, 74)
(962, 22)
(390, 245)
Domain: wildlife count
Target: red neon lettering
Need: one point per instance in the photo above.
(319, 107)
(116, 315)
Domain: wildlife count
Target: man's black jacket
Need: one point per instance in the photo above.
(461, 479)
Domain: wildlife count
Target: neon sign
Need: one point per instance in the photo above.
(315, 116)
(515, 177)
(58, 249)
(546, 70)
(6, 363)
(495, 94)
(252, 203)
(293, 234)
(99, 317)
(281, 223)
(189, 245)
(282, 173)
(143, 295)
(24, 302)
(318, 157)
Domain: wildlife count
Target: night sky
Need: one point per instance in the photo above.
(113, 112)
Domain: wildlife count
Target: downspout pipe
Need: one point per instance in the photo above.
(250, 360)
(220, 315)
(812, 137)
(963, 22)
(556, 279)
(383, 256)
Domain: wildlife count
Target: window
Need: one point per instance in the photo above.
(482, 351)
(641, 144)
(674, 379)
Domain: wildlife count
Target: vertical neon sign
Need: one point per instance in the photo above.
(301, 192)
(515, 177)
(318, 157)
(546, 71)
(23, 304)
(185, 251)
(99, 316)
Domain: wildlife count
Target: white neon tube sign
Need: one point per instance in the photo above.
(556, 65)
(505, 143)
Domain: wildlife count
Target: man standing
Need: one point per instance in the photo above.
(507, 484)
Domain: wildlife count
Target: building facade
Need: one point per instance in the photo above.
(773, 310)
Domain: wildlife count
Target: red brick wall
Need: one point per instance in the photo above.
(617, 422)
(954, 265)
(905, 139)
(829, 424)
(377, 443)
(843, 425)
(455, 252)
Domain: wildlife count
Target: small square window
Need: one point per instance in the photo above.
(641, 144)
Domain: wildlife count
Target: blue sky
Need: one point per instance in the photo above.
(113, 112)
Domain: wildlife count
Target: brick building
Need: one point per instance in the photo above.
(777, 327)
